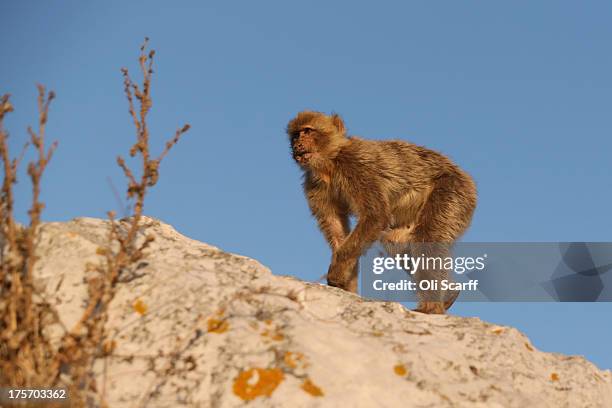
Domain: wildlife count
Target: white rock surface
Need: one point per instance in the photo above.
(206, 328)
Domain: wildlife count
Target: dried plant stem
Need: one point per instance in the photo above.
(122, 250)
(25, 361)
(27, 358)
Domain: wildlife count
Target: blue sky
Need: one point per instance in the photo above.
(518, 93)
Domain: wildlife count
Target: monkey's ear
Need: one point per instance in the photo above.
(338, 123)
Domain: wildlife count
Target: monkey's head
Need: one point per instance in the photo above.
(315, 137)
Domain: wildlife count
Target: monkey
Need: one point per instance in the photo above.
(404, 195)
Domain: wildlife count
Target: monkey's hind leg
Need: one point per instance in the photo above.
(396, 241)
(444, 217)
(400, 240)
(431, 273)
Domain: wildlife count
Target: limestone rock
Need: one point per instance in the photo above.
(202, 327)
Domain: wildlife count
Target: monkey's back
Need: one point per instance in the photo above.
(398, 164)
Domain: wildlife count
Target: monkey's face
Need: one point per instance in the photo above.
(305, 145)
(313, 135)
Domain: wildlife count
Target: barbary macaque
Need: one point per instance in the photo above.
(404, 195)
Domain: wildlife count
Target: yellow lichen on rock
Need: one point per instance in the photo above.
(139, 307)
(309, 387)
(400, 370)
(257, 382)
(293, 359)
(275, 335)
(217, 325)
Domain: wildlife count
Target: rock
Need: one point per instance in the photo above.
(202, 327)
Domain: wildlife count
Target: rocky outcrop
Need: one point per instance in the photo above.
(201, 327)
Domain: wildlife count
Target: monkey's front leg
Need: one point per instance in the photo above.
(343, 274)
(343, 270)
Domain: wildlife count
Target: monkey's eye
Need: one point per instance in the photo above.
(307, 130)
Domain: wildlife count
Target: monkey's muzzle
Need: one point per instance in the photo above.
(301, 156)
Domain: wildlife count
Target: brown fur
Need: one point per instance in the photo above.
(401, 193)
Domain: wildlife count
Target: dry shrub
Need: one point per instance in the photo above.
(27, 358)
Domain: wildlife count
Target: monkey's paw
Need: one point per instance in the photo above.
(341, 274)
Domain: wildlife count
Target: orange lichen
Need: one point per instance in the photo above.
(554, 377)
(257, 382)
(268, 321)
(309, 387)
(109, 346)
(400, 370)
(292, 359)
(528, 346)
(274, 335)
(217, 325)
(498, 330)
(139, 307)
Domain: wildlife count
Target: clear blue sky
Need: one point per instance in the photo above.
(518, 93)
